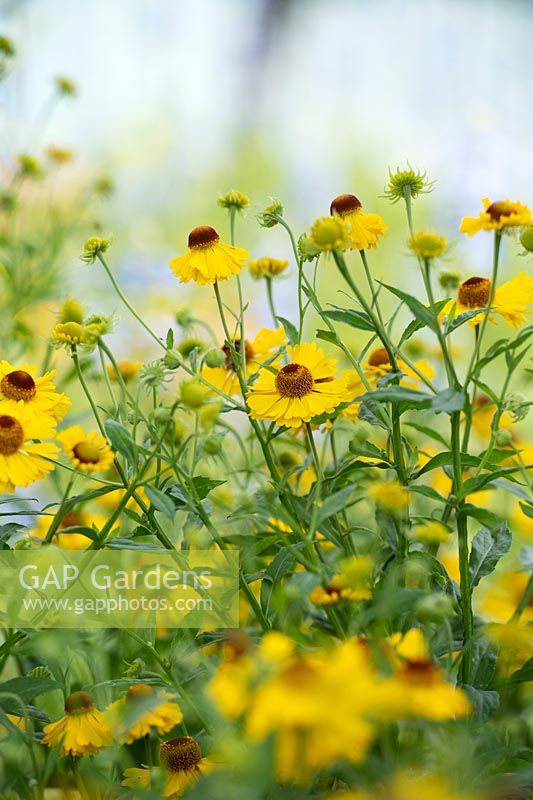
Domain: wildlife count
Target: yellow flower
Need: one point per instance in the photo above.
(267, 267)
(483, 414)
(391, 495)
(16, 720)
(68, 333)
(510, 300)
(82, 731)
(208, 260)
(163, 713)
(407, 786)
(353, 582)
(181, 764)
(59, 155)
(23, 461)
(422, 690)
(89, 452)
(378, 365)
(36, 393)
(234, 199)
(299, 391)
(329, 233)
(496, 217)
(515, 640)
(74, 519)
(364, 229)
(431, 532)
(127, 370)
(264, 345)
(428, 244)
(503, 595)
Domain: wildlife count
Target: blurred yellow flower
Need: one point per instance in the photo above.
(496, 216)
(127, 370)
(390, 495)
(378, 365)
(74, 519)
(428, 244)
(89, 452)
(503, 594)
(515, 640)
(161, 713)
(36, 393)
(82, 731)
(267, 267)
(431, 532)
(299, 391)
(364, 229)
(208, 260)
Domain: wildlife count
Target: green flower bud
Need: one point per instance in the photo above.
(407, 182)
(172, 359)
(93, 247)
(270, 216)
(233, 200)
(449, 281)
(213, 444)
(188, 345)
(503, 437)
(214, 357)
(526, 238)
(193, 393)
(435, 607)
(135, 669)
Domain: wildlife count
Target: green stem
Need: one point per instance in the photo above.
(270, 298)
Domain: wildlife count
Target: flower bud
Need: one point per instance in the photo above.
(188, 345)
(517, 406)
(172, 359)
(428, 244)
(233, 200)
(213, 444)
(526, 238)
(407, 182)
(135, 669)
(71, 311)
(435, 607)
(193, 393)
(449, 281)
(93, 247)
(65, 86)
(214, 357)
(503, 437)
(269, 217)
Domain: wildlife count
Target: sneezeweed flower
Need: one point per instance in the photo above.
(502, 596)
(364, 229)
(128, 370)
(428, 244)
(208, 260)
(378, 365)
(390, 495)
(271, 214)
(82, 731)
(352, 583)
(257, 351)
(526, 239)
(299, 391)
(37, 393)
(431, 532)
(89, 452)
(409, 786)
(24, 457)
(65, 86)
(67, 333)
(93, 247)
(233, 200)
(29, 166)
(65, 538)
(515, 640)
(97, 325)
(71, 311)
(407, 182)
(59, 155)
(510, 300)
(156, 711)
(326, 234)
(181, 764)
(499, 216)
(267, 267)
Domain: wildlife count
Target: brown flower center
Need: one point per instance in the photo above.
(248, 352)
(204, 236)
(500, 209)
(181, 754)
(87, 452)
(474, 293)
(379, 358)
(344, 204)
(294, 380)
(71, 520)
(78, 702)
(420, 673)
(139, 690)
(11, 435)
(18, 385)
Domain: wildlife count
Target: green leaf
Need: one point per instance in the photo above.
(328, 336)
(368, 411)
(422, 313)
(161, 502)
(25, 689)
(170, 339)
(333, 504)
(461, 319)
(488, 546)
(416, 324)
(522, 675)
(355, 319)
(204, 485)
(281, 565)
(527, 509)
(484, 658)
(483, 701)
(121, 440)
(432, 434)
(448, 400)
(444, 460)
(290, 330)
